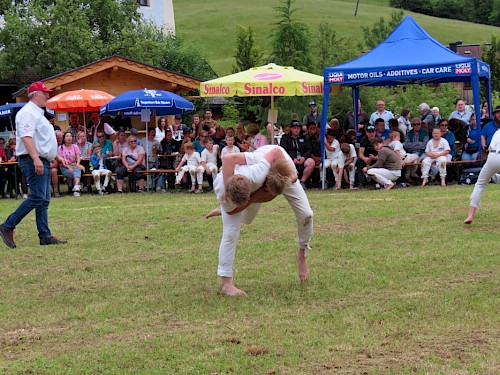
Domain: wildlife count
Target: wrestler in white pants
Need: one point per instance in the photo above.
(212, 168)
(435, 168)
(384, 176)
(333, 164)
(96, 175)
(491, 167)
(193, 171)
(297, 199)
(440, 162)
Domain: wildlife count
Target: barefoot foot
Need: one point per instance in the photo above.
(469, 219)
(231, 290)
(214, 212)
(302, 263)
(425, 181)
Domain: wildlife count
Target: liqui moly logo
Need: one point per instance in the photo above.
(336, 77)
(464, 68)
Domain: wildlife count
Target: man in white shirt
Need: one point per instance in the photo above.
(36, 148)
(255, 167)
(381, 112)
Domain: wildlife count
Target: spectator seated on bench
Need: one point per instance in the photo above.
(98, 169)
(473, 141)
(436, 151)
(209, 157)
(169, 146)
(295, 145)
(132, 165)
(70, 152)
(415, 142)
(191, 163)
(332, 151)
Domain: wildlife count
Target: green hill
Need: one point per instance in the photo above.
(213, 24)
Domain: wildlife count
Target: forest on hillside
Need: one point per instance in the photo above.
(478, 11)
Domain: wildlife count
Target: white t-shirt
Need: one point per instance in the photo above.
(333, 155)
(210, 157)
(31, 122)
(343, 158)
(150, 147)
(495, 141)
(226, 150)
(194, 159)
(160, 134)
(441, 147)
(398, 146)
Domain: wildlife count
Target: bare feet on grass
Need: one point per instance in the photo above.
(214, 212)
(228, 288)
(470, 217)
(302, 263)
(425, 181)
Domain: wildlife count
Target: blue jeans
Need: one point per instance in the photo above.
(77, 172)
(467, 156)
(38, 199)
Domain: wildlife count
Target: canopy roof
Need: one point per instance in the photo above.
(408, 55)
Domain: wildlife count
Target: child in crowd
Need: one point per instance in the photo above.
(347, 159)
(98, 168)
(191, 163)
(396, 145)
(436, 150)
(209, 160)
(332, 150)
(230, 147)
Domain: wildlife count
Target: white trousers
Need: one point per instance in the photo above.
(330, 163)
(440, 162)
(491, 167)
(96, 175)
(213, 168)
(384, 176)
(193, 171)
(297, 199)
(351, 168)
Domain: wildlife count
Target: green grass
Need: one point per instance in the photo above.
(398, 285)
(213, 24)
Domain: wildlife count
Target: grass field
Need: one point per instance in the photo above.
(398, 285)
(213, 24)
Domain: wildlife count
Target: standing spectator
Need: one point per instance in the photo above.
(426, 115)
(490, 129)
(461, 113)
(436, 152)
(209, 121)
(312, 116)
(75, 127)
(196, 125)
(132, 163)
(36, 147)
(98, 126)
(387, 169)
(160, 129)
(381, 112)
(404, 121)
(72, 169)
(473, 143)
(362, 119)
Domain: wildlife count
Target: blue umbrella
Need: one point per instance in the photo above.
(8, 115)
(161, 102)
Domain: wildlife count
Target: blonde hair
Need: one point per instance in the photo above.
(394, 134)
(345, 148)
(189, 145)
(238, 190)
(281, 175)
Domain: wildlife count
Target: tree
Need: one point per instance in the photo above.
(331, 48)
(291, 41)
(49, 37)
(247, 54)
(492, 57)
(380, 30)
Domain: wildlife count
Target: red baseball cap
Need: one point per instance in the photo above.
(38, 86)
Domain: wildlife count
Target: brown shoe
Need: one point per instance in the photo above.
(52, 241)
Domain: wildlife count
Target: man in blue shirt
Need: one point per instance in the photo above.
(490, 128)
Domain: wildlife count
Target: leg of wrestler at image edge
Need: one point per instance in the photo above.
(297, 199)
(491, 167)
(227, 250)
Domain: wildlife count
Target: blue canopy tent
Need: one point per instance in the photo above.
(409, 55)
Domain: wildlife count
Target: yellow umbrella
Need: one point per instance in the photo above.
(267, 80)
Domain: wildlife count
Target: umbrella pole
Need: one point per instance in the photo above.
(272, 124)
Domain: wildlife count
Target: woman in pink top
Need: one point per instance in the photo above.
(256, 138)
(71, 153)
